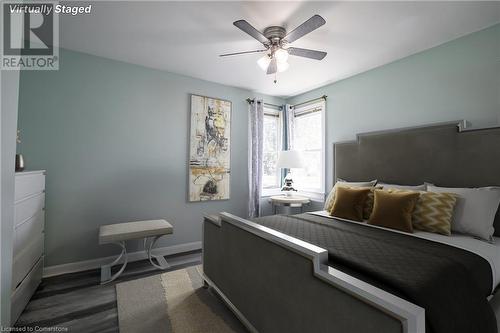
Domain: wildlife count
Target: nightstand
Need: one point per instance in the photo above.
(294, 201)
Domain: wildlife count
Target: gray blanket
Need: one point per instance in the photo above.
(451, 284)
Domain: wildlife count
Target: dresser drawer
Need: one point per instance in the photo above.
(25, 232)
(27, 208)
(21, 296)
(28, 184)
(26, 259)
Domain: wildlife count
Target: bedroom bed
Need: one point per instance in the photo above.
(314, 273)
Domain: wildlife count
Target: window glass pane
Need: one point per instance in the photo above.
(308, 132)
(308, 138)
(270, 133)
(270, 178)
(310, 176)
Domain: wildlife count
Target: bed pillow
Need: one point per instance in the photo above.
(367, 210)
(422, 187)
(331, 196)
(350, 202)
(434, 211)
(394, 209)
(475, 210)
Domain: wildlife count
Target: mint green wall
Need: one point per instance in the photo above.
(456, 80)
(113, 138)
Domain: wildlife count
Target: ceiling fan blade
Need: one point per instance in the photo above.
(238, 53)
(249, 29)
(273, 66)
(306, 53)
(310, 25)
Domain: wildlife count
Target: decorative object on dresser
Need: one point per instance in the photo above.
(209, 149)
(19, 157)
(289, 159)
(28, 239)
(19, 162)
(289, 201)
(119, 233)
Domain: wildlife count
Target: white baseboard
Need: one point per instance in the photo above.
(134, 256)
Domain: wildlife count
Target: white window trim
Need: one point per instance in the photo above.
(317, 194)
(267, 192)
(314, 196)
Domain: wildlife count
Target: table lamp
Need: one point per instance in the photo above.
(289, 159)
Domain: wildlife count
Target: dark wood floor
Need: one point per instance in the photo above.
(79, 303)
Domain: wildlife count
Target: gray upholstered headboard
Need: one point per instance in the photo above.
(440, 154)
(443, 155)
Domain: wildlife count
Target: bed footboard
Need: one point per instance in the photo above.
(277, 283)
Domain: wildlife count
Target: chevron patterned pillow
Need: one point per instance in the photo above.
(433, 212)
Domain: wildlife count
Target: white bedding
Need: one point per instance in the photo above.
(489, 251)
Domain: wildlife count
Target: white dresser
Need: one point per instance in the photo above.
(28, 238)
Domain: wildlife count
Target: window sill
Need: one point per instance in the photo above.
(314, 196)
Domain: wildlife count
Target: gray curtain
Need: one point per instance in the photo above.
(255, 149)
(290, 119)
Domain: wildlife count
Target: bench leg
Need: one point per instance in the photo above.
(161, 262)
(106, 269)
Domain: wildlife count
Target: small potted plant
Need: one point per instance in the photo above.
(19, 157)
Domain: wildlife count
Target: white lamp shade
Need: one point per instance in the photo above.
(290, 159)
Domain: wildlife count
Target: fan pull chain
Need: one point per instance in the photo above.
(275, 77)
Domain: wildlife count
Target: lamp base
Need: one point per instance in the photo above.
(288, 191)
(288, 187)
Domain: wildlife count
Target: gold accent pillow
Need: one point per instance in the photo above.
(393, 209)
(350, 202)
(434, 211)
(330, 199)
(370, 199)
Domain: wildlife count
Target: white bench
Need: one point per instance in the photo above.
(119, 233)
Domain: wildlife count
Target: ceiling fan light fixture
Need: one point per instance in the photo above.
(263, 62)
(281, 55)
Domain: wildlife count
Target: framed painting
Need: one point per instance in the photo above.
(209, 149)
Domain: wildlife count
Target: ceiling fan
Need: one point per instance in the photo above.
(275, 40)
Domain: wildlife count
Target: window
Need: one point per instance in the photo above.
(309, 138)
(271, 178)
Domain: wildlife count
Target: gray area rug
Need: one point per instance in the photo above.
(173, 302)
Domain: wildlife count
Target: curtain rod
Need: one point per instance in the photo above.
(311, 100)
(250, 101)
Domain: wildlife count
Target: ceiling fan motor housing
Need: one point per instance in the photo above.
(275, 34)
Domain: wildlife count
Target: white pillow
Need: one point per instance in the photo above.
(331, 196)
(474, 211)
(404, 187)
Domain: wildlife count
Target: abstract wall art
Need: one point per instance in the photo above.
(209, 149)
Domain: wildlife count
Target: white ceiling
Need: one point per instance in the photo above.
(187, 37)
